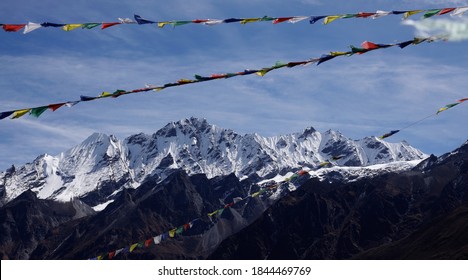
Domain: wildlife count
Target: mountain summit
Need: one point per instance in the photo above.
(102, 166)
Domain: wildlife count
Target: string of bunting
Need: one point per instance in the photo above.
(365, 47)
(446, 107)
(427, 13)
(156, 240)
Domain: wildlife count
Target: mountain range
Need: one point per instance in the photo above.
(101, 166)
(363, 199)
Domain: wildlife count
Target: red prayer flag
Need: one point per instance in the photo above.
(111, 255)
(229, 205)
(463, 100)
(365, 15)
(302, 172)
(283, 19)
(199, 20)
(109, 24)
(54, 107)
(369, 45)
(148, 242)
(446, 11)
(13, 27)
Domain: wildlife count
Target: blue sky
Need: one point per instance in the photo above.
(360, 96)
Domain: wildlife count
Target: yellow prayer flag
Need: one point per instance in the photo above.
(255, 194)
(247, 20)
(263, 72)
(410, 13)
(329, 19)
(339, 53)
(105, 94)
(163, 23)
(172, 233)
(70, 27)
(441, 110)
(133, 246)
(20, 113)
(213, 213)
(99, 257)
(185, 81)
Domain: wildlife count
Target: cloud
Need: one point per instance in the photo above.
(452, 29)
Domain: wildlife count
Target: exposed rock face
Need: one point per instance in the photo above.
(27, 221)
(395, 216)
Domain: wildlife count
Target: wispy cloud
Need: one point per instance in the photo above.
(452, 29)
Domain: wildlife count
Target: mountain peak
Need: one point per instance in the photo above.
(184, 126)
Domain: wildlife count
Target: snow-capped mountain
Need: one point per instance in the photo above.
(102, 165)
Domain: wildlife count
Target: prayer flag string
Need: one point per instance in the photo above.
(138, 20)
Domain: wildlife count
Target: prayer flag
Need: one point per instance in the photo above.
(87, 98)
(324, 58)
(118, 251)
(157, 239)
(365, 15)
(459, 11)
(71, 103)
(389, 134)
(161, 24)
(282, 19)
(405, 44)
(13, 27)
(54, 107)
(446, 11)
(431, 13)
(20, 113)
(89, 25)
(109, 24)
(180, 22)
(5, 114)
(379, 14)
(126, 20)
(141, 20)
(314, 19)
(31, 26)
(230, 20)
(70, 27)
(297, 19)
(329, 19)
(133, 246)
(148, 242)
(410, 13)
(446, 107)
(213, 21)
(50, 24)
(38, 111)
(199, 20)
(247, 20)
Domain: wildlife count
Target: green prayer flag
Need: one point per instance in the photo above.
(431, 13)
(89, 25)
(38, 111)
